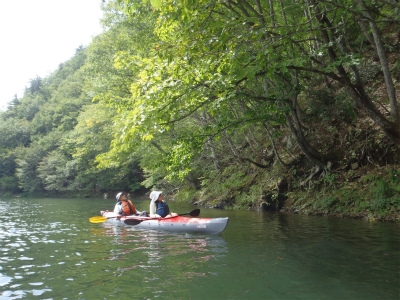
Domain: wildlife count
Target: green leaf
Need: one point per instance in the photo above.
(156, 3)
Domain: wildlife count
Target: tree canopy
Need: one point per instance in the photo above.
(174, 93)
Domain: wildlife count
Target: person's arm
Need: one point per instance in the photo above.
(117, 209)
(153, 210)
(138, 212)
(170, 214)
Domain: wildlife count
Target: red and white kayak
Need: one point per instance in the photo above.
(176, 224)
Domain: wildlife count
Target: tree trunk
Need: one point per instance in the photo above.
(203, 121)
(252, 142)
(357, 93)
(303, 143)
(157, 146)
(365, 30)
(215, 159)
(394, 111)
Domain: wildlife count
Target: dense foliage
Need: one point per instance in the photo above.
(194, 95)
(51, 137)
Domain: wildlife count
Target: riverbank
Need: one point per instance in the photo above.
(369, 192)
(367, 189)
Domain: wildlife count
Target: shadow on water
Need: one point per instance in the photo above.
(53, 252)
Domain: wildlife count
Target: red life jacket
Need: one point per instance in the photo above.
(127, 207)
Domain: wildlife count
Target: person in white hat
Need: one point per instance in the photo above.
(159, 207)
(125, 207)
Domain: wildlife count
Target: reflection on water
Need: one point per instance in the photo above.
(53, 252)
(159, 259)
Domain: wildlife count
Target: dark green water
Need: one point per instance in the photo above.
(50, 250)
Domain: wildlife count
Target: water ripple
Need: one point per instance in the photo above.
(60, 255)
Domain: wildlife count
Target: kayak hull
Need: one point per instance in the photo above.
(175, 224)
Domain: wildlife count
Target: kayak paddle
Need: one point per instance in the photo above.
(100, 219)
(193, 213)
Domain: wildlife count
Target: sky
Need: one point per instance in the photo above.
(37, 35)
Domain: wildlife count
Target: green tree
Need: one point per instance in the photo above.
(58, 172)
(27, 161)
(211, 56)
(35, 127)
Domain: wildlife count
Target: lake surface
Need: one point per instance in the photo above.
(50, 250)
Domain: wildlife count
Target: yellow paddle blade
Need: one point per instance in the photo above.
(98, 219)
